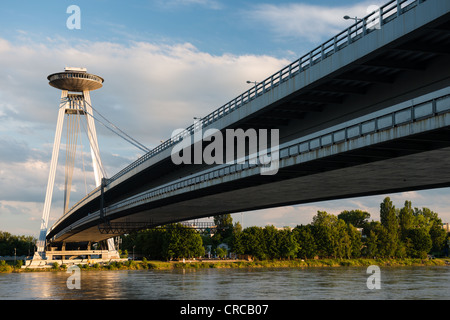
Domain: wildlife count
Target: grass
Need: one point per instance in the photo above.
(295, 263)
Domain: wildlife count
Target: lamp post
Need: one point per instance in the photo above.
(256, 87)
(350, 18)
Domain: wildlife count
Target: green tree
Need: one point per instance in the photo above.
(383, 240)
(271, 245)
(150, 243)
(288, 246)
(342, 240)
(371, 245)
(182, 242)
(19, 245)
(420, 243)
(429, 219)
(438, 236)
(221, 252)
(303, 235)
(324, 219)
(224, 223)
(355, 240)
(357, 218)
(406, 219)
(253, 242)
(236, 244)
(325, 234)
(389, 221)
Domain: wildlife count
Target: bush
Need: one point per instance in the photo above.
(131, 264)
(115, 265)
(4, 267)
(19, 264)
(221, 253)
(123, 254)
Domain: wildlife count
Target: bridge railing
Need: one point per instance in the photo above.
(366, 25)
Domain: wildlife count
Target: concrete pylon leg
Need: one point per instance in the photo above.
(93, 142)
(95, 153)
(51, 177)
(113, 253)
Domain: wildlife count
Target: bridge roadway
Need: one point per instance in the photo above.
(367, 112)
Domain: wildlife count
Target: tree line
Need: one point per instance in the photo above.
(400, 233)
(11, 245)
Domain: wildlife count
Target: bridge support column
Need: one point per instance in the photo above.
(51, 178)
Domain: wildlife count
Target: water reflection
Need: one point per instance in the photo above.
(239, 284)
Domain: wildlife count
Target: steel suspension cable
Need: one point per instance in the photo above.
(128, 137)
(95, 149)
(82, 155)
(71, 146)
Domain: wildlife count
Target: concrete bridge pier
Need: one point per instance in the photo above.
(74, 253)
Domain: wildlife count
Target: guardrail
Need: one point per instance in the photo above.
(359, 29)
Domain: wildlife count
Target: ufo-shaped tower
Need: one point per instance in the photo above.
(77, 103)
(75, 80)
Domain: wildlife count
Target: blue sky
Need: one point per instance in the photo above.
(239, 27)
(164, 62)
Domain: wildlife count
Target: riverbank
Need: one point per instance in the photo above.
(195, 264)
(297, 263)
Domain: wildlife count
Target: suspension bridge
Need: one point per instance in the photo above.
(366, 112)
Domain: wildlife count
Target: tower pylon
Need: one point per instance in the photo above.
(75, 85)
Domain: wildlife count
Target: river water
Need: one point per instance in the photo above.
(396, 283)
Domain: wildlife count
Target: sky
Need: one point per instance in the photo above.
(164, 62)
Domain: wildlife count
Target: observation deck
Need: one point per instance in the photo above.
(76, 80)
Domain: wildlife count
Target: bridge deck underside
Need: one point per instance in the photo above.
(412, 163)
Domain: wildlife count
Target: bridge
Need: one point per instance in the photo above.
(366, 112)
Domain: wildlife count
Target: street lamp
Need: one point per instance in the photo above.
(355, 18)
(254, 82)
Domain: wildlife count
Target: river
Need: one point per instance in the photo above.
(396, 283)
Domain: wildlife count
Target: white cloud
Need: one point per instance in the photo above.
(150, 90)
(304, 21)
(146, 85)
